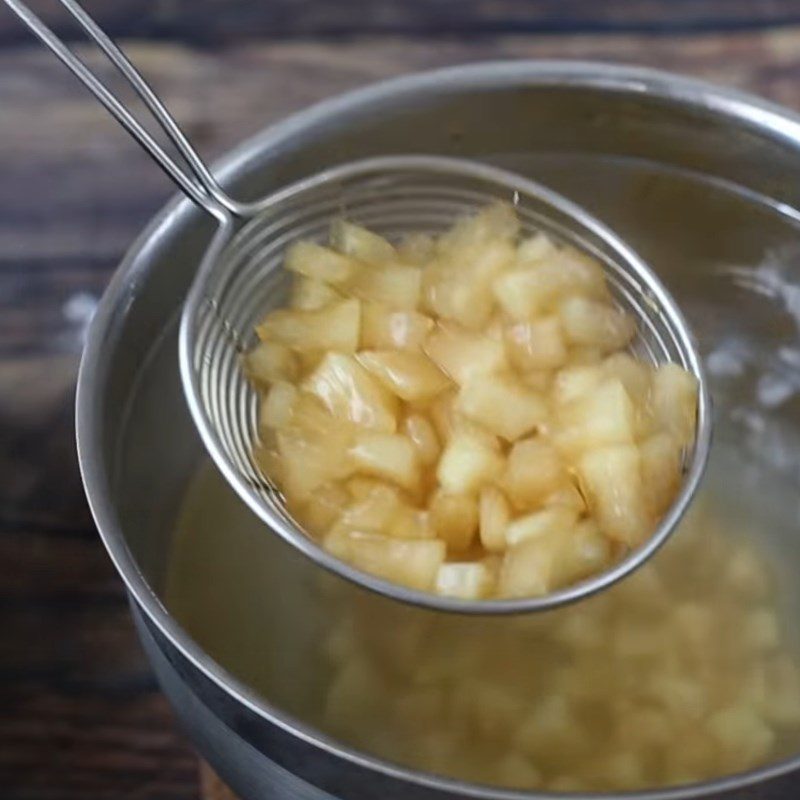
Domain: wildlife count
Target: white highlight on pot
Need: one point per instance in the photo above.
(769, 376)
(729, 360)
(79, 310)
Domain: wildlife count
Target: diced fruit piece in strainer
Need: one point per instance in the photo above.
(350, 393)
(469, 391)
(335, 327)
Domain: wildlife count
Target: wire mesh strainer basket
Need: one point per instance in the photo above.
(239, 280)
(395, 196)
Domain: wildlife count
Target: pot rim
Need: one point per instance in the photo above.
(743, 108)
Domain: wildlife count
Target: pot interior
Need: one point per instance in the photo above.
(708, 202)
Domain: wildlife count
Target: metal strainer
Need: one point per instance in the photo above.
(239, 280)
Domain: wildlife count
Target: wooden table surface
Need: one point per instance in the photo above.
(80, 716)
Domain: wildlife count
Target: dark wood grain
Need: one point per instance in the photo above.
(212, 22)
(212, 787)
(80, 716)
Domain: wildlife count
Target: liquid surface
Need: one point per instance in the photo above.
(683, 672)
(583, 677)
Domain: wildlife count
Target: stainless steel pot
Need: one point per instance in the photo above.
(696, 176)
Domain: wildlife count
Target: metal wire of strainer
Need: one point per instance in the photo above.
(239, 280)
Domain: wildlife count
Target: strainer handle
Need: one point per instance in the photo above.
(198, 183)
